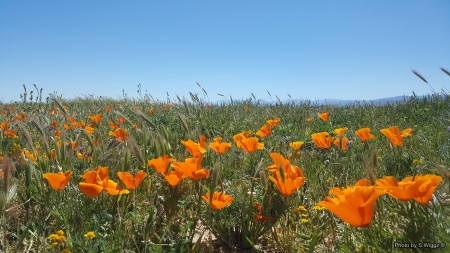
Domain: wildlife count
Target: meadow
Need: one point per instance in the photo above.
(96, 174)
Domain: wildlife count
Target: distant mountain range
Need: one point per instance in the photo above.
(381, 101)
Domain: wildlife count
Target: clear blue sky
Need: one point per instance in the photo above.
(309, 49)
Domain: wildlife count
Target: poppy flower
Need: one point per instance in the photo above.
(29, 155)
(264, 131)
(364, 134)
(114, 188)
(250, 144)
(130, 181)
(113, 125)
(119, 133)
(58, 180)
(287, 181)
(353, 205)
(421, 189)
(340, 131)
(324, 116)
(89, 130)
(160, 164)
(97, 181)
(218, 139)
(108, 108)
(273, 122)
(278, 162)
(202, 141)
(395, 136)
(191, 168)
(296, 144)
(219, 147)
(219, 200)
(337, 142)
(95, 119)
(309, 119)
(151, 111)
(194, 148)
(174, 177)
(238, 137)
(321, 140)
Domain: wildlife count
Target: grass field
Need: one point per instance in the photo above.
(97, 174)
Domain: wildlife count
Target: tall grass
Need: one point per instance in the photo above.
(157, 217)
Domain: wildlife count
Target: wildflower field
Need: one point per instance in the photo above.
(97, 174)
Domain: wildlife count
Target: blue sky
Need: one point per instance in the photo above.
(308, 49)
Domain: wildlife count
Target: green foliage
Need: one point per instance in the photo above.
(157, 217)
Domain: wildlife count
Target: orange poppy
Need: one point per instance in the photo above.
(96, 119)
(353, 205)
(174, 177)
(194, 148)
(340, 131)
(289, 180)
(151, 111)
(337, 142)
(324, 116)
(219, 200)
(89, 130)
(278, 162)
(202, 141)
(135, 127)
(218, 139)
(264, 131)
(191, 168)
(58, 180)
(240, 136)
(421, 189)
(321, 140)
(113, 125)
(250, 144)
(114, 188)
(130, 181)
(395, 136)
(296, 144)
(364, 134)
(108, 108)
(160, 164)
(67, 127)
(97, 181)
(273, 122)
(208, 106)
(4, 126)
(121, 120)
(219, 147)
(309, 119)
(29, 155)
(119, 133)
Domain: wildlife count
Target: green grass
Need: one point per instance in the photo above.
(159, 218)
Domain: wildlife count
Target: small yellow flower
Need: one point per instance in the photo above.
(55, 244)
(60, 232)
(329, 179)
(65, 251)
(53, 237)
(417, 161)
(304, 215)
(89, 235)
(319, 208)
(304, 220)
(301, 208)
(61, 238)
